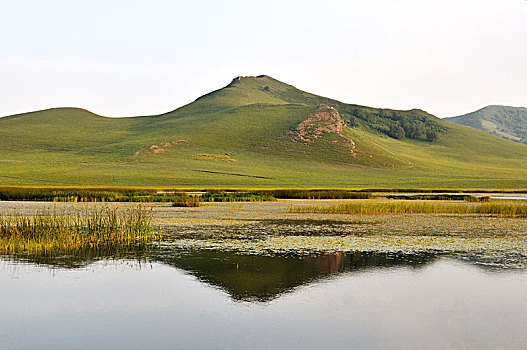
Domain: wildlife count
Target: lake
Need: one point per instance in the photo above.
(253, 275)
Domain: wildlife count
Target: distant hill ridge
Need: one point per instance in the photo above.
(507, 122)
(256, 132)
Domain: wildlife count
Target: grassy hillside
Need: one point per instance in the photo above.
(507, 122)
(256, 132)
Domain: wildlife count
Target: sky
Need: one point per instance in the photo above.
(122, 58)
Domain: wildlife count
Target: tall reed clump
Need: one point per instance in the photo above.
(236, 196)
(503, 208)
(499, 208)
(49, 232)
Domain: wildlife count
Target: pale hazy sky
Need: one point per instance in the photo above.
(125, 58)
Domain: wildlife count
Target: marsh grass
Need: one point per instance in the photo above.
(441, 197)
(86, 195)
(317, 194)
(273, 195)
(498, 208)
(185, 201)
(223, 196)
(174, 196)
(49, 232)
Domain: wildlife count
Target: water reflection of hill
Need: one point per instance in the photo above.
(262, 278)
(244, 277)
(259, 277)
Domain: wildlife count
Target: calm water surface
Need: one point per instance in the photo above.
(225, 300)
(509, 197)
(255, 276)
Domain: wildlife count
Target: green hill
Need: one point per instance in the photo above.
(507, 122)
(256, 132)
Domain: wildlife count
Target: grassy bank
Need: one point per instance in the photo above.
(498, 208)
(49, 232)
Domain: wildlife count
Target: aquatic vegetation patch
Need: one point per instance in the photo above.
(272, 195)
(50, 232)
(185, 201)
(441, 197)
(311, 222)
(498, 208)
(86, 194)
(317, 194)
(271, 228)
(378, 243)
(223, 196)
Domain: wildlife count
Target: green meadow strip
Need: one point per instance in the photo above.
(499, 208)
(49, 232)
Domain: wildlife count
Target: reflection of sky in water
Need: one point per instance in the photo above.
(124, 305)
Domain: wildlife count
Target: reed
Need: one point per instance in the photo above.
(499, 208)
(86, 195)
(50, 232)
(318, 194)
(221, 196)
(441, 197)
(272, 195)
(185, 201)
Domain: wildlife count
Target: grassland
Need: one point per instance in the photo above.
(214, 157)
(255, 121)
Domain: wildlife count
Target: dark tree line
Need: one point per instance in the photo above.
(414, 124)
